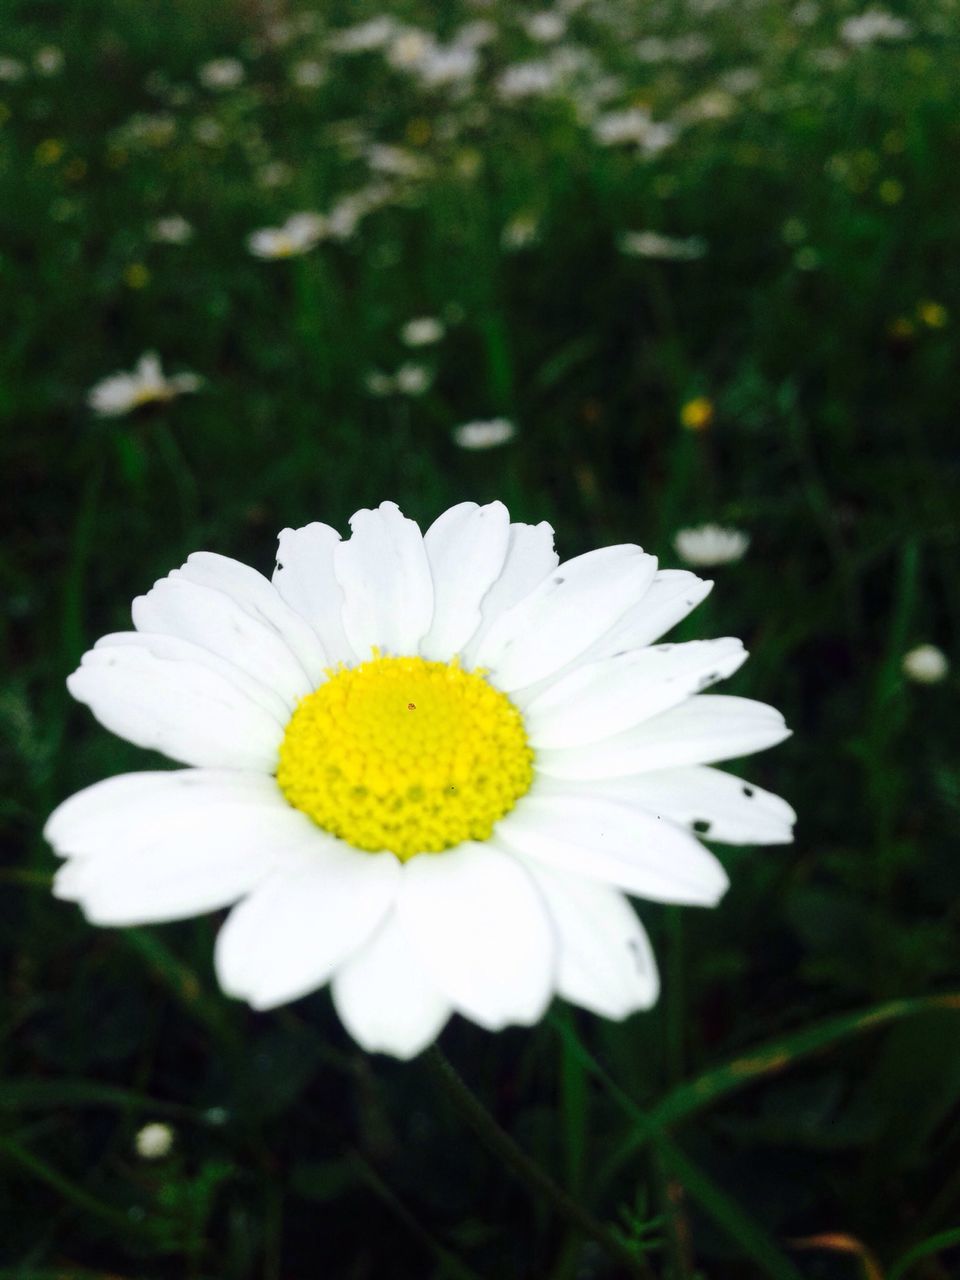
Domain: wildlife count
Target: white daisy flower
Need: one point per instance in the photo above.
(484, 435)
(11, 70)
(154, 1141)
(710, 544)
(221, 73)
(423, 768)
(48, 60)
(652, 244)
(926, 664)
(299, 234)
(147, 384)
(873, 25)
(422, 331)
(173, 228)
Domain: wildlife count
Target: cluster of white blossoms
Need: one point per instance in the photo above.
(707, 545)
(120, 393)
(424, 768)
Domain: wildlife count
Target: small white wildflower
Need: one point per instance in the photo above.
(805, 13)
(828, 59)
(48, 60)
(474, 35)
(651, 244)
(154, 1141)
(521, 232)
(171, 229)
(545, 26)
(527, 80)
(484, 435)
(308, 74)
(408, 48)
(448, 64)
(221, 73)
(634, 125)
(208, 131)
(276, 173)
(873, 25)
(364, 36)
(926, 664)
(11, 70)
(422, 331)
(395, 161)
(740, 80)
(413, 379)
(379, 383)
(299, 234)
(710, 544)
(147, 384)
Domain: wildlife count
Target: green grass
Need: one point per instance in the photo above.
(799, 1077)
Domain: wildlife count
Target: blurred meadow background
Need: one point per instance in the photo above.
(684, 261)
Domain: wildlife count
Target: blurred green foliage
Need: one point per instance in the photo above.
(822, 174)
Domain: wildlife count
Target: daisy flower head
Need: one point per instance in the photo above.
(121, 393)
(425, 768)
(422, 331)
(488, 434)
(926, 664)
(299, 234)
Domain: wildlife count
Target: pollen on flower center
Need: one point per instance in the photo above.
(406, 755)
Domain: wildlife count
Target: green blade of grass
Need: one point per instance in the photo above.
(944, 1240)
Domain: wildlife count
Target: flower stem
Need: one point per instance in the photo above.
(499, 1142)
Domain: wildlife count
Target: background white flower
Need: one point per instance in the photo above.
(222, 73)
(299, 234)
(710, 544)
(424, 768)
(147, 384)
(484, 435)
(154, 1141)
(422, 331)
(926, 664)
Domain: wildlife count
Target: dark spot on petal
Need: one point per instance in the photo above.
(748, 791)
(411, 706)
(559, 581)
(701, 826)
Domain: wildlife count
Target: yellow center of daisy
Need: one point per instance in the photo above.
(407, 755)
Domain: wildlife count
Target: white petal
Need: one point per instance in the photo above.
(387, 588)
(131, 810)
(564, 615)
(602, 840)
(530, 557)
(305, 579)
(465, 548)
(164, 846)
(171, 696)
(606, 963)
(178, 607)
(480, 929)
(602, 698)
(718, 805)
(702, 730)
(672, 594)
(257, 596)
(385, 999)
(297, 927)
